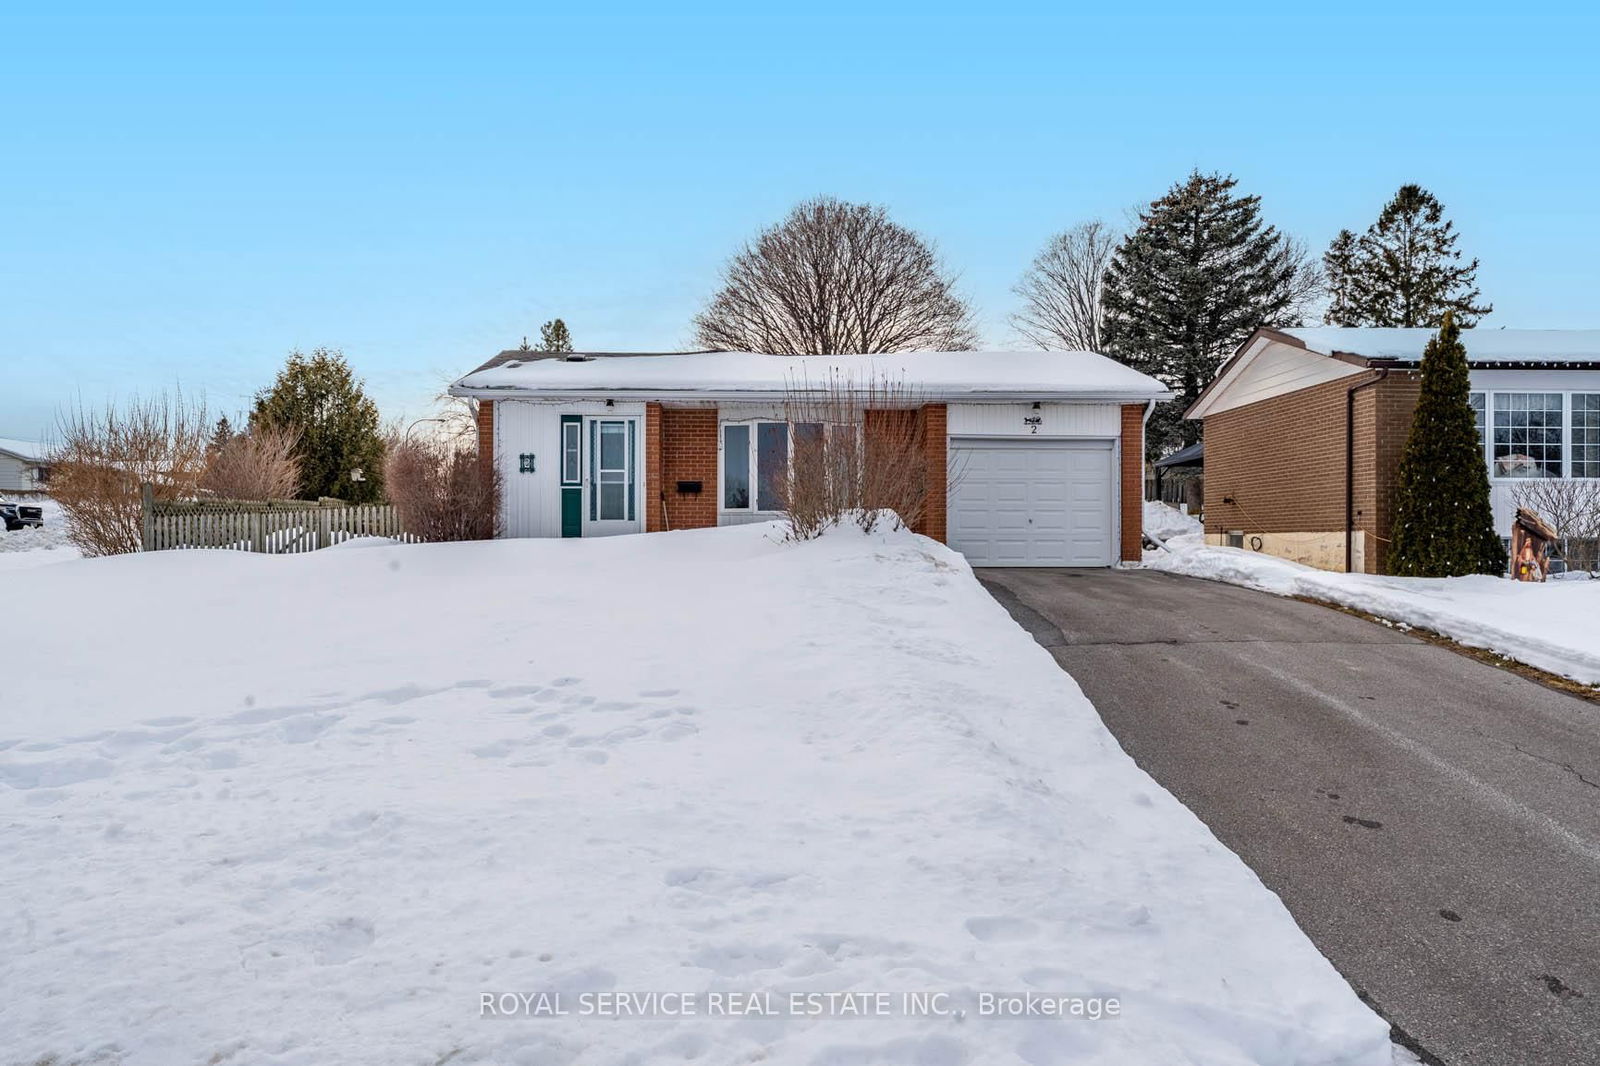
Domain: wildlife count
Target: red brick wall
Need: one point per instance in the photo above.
(935, 452)
(1282, 460)
(486, 438)
(1132, 487)
(687, 448)
(654, 515)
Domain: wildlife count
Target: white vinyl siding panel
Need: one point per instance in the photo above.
(1055, 420)
(1034, 502)
(16, 475)
(1275, 369)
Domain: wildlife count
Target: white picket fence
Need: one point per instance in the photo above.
(277, 527)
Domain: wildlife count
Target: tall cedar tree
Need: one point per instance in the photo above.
(1443, 526)
(554, 337)
(1199, 273)
(1404, 271)
(319, 399)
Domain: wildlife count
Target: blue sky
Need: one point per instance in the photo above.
(185, 195)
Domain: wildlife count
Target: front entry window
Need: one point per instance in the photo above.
(611, 475)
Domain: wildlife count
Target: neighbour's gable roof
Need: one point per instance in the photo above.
(1542, 348)
(1273, 362)
(28, 451)
(731, 375)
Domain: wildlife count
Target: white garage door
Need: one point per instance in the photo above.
(1033, 502)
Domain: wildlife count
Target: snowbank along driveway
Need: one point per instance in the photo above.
(312, 809)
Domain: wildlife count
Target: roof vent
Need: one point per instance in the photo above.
(574, 357)
(514, 363)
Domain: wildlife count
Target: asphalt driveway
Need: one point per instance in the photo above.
(1432, 823)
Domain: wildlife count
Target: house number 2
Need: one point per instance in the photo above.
(1033, 422)
(525, 463)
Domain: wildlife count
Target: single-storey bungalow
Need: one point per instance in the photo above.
(1031, 458)
(1304, 429)
(24, 466)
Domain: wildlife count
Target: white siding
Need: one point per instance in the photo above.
(1055, 420)
(532, 502)
(15, 475)
(1274, 369)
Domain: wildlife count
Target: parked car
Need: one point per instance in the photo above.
(20, 516)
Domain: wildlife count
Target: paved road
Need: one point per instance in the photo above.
(1433, 823)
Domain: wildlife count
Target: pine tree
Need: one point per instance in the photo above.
(1443, 526)
(221, 434)
(1339, 267)
(1405, 270)
(1199, 273)
(553, 337)
(340, 447)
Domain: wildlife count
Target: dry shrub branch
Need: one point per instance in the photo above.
(257, 465)
(440, 490)
(856, 454)
(106, 455)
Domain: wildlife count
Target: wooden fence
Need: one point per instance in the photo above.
(277, 527)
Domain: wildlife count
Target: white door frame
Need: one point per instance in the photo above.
(631, 475)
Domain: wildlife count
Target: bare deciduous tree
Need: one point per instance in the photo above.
(855, 455)
(256, 465)
(1570, 506)
(835, 279)
(1061, 290)
(106, 456)
(441, 491)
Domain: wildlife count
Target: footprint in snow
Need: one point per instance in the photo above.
(1000, 929)
(342, 941)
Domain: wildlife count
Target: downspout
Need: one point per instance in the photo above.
(1350, 464)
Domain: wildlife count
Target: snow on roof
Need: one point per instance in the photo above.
(1483, 345)
(30, 450)
(935, 375)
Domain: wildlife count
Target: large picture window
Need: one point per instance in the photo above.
(1527, 434)
(1586, 434)
(755, 460)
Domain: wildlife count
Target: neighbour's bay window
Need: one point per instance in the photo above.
(1586, 434)
(755, 461)
(1527, 434)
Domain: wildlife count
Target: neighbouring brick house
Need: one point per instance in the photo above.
(1030, 458)
(1304, 430)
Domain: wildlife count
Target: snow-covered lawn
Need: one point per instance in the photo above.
(311, 809)
(1554, 626)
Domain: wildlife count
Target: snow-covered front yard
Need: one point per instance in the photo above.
(313, 809)
(1554, 626)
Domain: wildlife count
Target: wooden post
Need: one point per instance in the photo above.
(324, 527)
(147, 518)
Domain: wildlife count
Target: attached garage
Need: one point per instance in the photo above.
(1033, 501)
